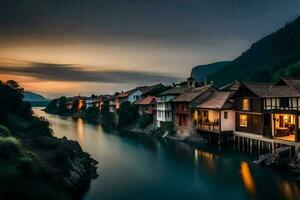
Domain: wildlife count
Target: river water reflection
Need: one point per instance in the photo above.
(141, 167)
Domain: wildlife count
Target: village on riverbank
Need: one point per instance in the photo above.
(262, 117)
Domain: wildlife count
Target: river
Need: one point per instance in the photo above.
(141, 168)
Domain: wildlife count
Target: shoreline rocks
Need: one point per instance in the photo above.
(281, 159)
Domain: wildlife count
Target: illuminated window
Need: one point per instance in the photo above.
(243, 120)
(245, 105)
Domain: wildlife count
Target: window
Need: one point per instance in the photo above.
(225, 115)
(284, 102)
(243, 120)
(245, 104)
(205, 114)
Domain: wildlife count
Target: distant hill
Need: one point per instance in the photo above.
(201, 72)
(277, 54)
(35, 99)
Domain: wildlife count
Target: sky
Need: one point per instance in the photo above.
(71, 47)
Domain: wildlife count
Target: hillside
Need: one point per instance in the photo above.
(36, 100)
(201, 72)
(277, 54)
(34, 163)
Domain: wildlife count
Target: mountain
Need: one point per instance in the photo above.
(201, 72)
(35, 99)
(276, 55)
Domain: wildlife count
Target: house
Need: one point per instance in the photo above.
(146, 105)
(79, 101)
(215, 113)
(164, 110)
(184, 105)
(131, 96)
(91, 102)
(69, 103)
(281, 107)
(248, 106)
(112, 104)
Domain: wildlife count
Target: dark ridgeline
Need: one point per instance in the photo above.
(276, 55)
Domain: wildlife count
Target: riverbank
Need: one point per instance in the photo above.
(139, 166)
(34, 164)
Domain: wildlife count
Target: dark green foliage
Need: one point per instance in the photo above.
(107, 118)
(128, 113)
(201, 72)
(62, 108)
(4, 131)
(10, 148)
(266, 59)
(145, 120)
(168, 127)
(28, 167)
(52, 107)
(39, 127)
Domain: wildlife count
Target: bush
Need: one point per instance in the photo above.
(27, 166)
(4, 131)
(128, 113)
(10, 148)
(168, 127)
(145, 120)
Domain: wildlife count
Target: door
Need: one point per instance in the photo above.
(267, 125)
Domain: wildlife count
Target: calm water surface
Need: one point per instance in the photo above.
(141, 168)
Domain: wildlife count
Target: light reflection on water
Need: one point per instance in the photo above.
(139, 167)
(248, 178)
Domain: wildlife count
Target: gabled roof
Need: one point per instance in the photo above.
(191, 93)
(295, 83)
(217, 100)
(174, 91)
(148, 89)
(233, 86)
(260, 89)
(285, 88)
(130, 92)
(146, 101)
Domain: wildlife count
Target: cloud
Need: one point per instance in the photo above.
(73, 73)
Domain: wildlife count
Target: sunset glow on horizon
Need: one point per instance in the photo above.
(121, 45)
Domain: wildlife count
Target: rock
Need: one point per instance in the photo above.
(283, 152)
(263, 159)
(195, 139)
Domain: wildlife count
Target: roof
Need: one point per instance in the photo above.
(233, 86)
(260, 89)
(190, 94)
(174, 91)
(147, 89)
(217, 100)
(295, 83)
(146, 101)
(130, 92)
(285, 88)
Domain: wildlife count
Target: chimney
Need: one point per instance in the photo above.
(191, 82)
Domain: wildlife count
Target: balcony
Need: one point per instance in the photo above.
(209, 126)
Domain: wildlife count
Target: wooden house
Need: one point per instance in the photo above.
(248, 105)
(215, 113)
(281, 110)
(164, 109)
(184, 106)
(146, 105)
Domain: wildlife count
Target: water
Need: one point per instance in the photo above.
(142, 168)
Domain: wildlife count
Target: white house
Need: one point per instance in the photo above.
(216, 113)
(164, 109)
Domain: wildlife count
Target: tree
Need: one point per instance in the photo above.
(128, 113)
